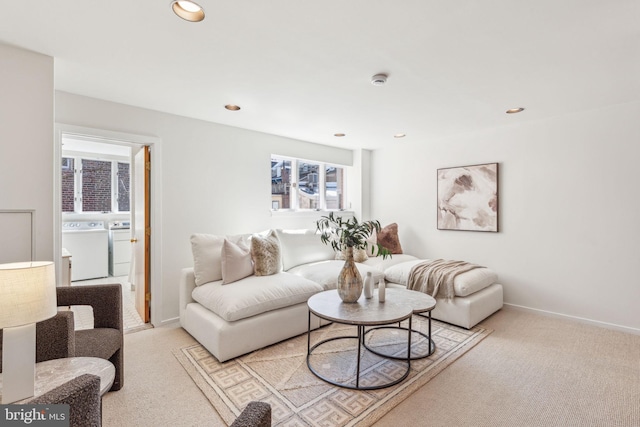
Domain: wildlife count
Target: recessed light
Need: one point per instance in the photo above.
(232, 107)
(188, 10)
(339, 135)
(399, 135)
(514, 110)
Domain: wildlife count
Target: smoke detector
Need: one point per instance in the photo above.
(379, 79)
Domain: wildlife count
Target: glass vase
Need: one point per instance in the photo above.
(349, 279)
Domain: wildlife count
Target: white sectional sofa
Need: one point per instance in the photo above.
(477, 294)
(231, 319)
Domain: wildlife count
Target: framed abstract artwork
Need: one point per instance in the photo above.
(468, 198)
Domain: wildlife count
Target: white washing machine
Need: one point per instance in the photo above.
(88, 244)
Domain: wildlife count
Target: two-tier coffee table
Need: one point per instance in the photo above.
(422, 304)
(362, 313)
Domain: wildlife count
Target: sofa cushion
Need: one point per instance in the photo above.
(98, 342)
(382, 264)
(254, 295)
(207, 262)
(302, 247)
(236, 261)
(325, 273)
(388, 238)
(265, 253)
(463, 284)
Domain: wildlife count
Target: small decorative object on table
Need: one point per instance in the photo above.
(382, 291)
(368, 286)
(345, 235)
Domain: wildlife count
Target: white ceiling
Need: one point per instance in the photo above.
(302, 69)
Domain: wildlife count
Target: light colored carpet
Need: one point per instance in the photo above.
(279, 374)
(532, 371)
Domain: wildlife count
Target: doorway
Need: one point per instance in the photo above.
(84, 148)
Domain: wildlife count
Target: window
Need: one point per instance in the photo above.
(280, 184)
(308, 189)
(96, 186)
(334, 187)
(303, 185)
(124, 185)
(68, 191)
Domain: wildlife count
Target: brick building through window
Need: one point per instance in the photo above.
(91, 185)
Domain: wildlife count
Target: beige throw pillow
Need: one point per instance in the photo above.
(265, 253)
(359, 255)
(236, 261)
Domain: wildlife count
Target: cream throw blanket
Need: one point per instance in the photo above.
(436, 277)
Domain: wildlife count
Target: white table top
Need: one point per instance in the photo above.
(329, 306)
(419, 301)
(53, 373)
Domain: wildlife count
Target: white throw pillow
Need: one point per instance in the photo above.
(207, 262)
(236, 261)
(372, 243)
(302, 247)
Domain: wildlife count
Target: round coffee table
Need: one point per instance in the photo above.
(364, 312)
(420, 303)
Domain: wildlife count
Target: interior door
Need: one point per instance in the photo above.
(141, 232)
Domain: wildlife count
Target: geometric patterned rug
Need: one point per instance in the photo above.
(279, 374)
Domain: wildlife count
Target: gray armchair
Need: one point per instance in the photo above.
(255, 414)
(82, 394)
(56, 337)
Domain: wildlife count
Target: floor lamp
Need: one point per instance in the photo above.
(27, 296)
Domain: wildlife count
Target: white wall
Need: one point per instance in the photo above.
(215, 178)
(26, 142)
(569, 210)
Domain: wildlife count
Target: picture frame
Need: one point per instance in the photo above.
(468, 198)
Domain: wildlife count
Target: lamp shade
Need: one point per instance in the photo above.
(27, 293)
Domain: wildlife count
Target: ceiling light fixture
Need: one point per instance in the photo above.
(339, 135)
(232, 107)
(514, 110)
(188, 10)
(399, 135)
(379, 79)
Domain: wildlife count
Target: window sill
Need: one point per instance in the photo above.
(308, 213)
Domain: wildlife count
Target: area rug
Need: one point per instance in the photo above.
(279, 374)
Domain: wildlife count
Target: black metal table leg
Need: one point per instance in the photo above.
(432, 344)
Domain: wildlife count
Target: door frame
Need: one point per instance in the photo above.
(156, 202)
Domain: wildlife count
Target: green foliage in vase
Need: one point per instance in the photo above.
(349, 233)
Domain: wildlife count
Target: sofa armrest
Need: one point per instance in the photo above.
(256, 414)
(55, 338)
(187, 285)
(106, 301)
(82, 394)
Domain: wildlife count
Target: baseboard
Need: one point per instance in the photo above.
(634, 331)
(171, 321)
